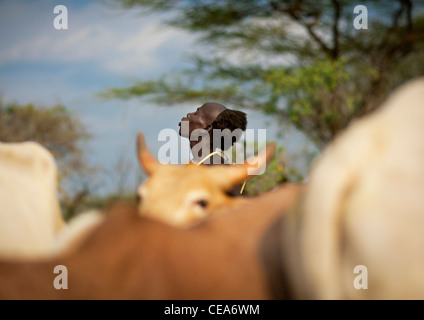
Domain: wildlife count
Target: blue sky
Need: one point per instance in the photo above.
(104, 47)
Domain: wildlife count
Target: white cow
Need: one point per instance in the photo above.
(31, 222)
(30, 215)
(359, 233)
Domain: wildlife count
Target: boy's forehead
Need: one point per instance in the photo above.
(205, 108)
(205, 112)
(210, 109)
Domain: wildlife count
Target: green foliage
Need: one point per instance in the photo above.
(169, 92)
(93, 202)
(300, 60)
(320, 99)
(56, 128)
(276, 173)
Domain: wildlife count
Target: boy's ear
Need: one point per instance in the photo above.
(209, 128)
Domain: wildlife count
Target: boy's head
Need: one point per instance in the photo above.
(212, 116)
(201, 118)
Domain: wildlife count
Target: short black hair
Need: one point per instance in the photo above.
(232, 120)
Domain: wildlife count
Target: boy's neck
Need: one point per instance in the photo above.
(201, 149)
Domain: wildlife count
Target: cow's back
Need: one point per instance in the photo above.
(29, 213)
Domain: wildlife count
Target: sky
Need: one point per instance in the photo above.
(104, 46)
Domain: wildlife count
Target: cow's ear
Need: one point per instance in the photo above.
(231, 175)
(146, 160)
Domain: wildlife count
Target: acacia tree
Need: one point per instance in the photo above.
(302, 61)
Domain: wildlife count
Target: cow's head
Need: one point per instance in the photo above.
(183, 194)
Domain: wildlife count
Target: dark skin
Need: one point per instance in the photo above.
(202, 118)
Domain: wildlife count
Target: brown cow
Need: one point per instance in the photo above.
(133, 257)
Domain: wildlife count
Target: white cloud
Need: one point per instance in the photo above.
(125, 44)
(139, 50)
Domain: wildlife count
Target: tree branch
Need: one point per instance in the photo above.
(292, 12)
(405, 5)
(311, 32)
(337, 13)
(323, 46)
(408, 4)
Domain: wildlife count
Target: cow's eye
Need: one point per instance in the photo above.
(138, 198)
(202, 203)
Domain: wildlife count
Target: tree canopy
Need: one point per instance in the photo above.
(303, 61)
(54, 127)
